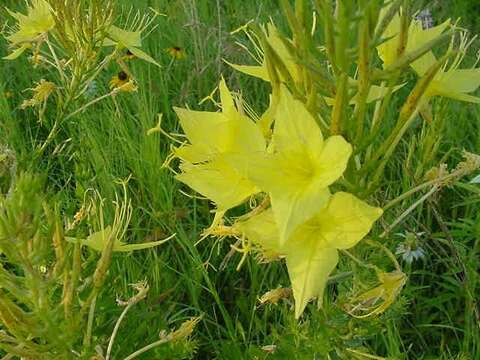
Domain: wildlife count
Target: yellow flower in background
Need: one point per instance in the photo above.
(130, 40)
(123, 82)
(120, 79)
(275, 41)
(450, 81)
(300, 169)
(214, 137)
(128, 56)
(312, 251)
(41, 93)
(417, 37)
(176, 52)
(30, 28)
(379, 299)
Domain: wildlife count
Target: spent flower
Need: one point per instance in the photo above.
(379, 299)
(41, 93)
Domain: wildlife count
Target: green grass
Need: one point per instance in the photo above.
(434, 317)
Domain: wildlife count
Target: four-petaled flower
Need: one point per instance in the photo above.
(30, 28)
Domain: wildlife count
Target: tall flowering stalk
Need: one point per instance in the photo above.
(47, 293)
(77, 41)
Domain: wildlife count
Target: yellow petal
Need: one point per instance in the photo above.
(194, 153)
(228, 104)
(143, 55)
(245, 136)
(295, 127)
(417, 36)
(17, 52)
(274, 39)
(332, 160)
(442, 90)
(125, 38)
(123, 247)
(262, 230)
(257, 71)
(345, 221)
(422, 65)
(209, 129)
(387, 51)
(293, 209)
(309, 264)
(461, 80)
(219, 182)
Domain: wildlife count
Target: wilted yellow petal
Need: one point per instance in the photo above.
(379, 299)
(375, 93)
(446, 92)
(98, 240)
(274, 39)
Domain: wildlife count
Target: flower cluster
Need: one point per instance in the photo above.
(229, 160)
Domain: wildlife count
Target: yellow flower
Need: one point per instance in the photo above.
(128, 55)
(417, 37)
(120, 79)
(41, 93)
(377, 300)
(176, 52)
(213, 137)
(300, 169)
(30, 28)
(275, 41)
(130, 40)
(450, 81)
(123, 82)
(312, 251)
